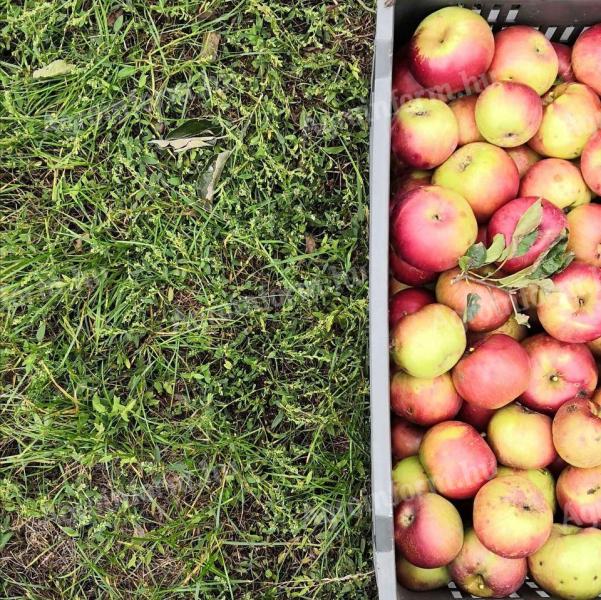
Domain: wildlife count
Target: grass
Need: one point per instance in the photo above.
(183, 394)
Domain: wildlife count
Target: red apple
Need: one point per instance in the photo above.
(505, 221)
(493, 373)
(577, 432)
(457, 459)
(432, 228)
(404, 86)
(406, 438)
(508, 113)
(564, 55)
(408, 274)
(428, 531)
(424, 401)
(451, 49)
(476, 416)
(511, 517)
(478, 571)
(524, 55)
(586, 57)
(560, 372)
(558, 181)
(464, 109)
(523, 157)
(424, 133)
(483, 174)
(590, 163)
(407, 302)
(571, 312)
(579, 495)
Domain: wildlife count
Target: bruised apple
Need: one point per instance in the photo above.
(541, 478)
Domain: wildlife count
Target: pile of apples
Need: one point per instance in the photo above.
(495, 308)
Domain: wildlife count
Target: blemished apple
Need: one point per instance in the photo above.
(476, 416)
(464, 109)
(407, 302)
(432, 228)
(577, 432)
(406, 438)
(558, 181)
(429, 342)
(524, 55)
(481, 173)
(424, 133)
(409, 479)
(493, 373)
(564, 55)
(424, 401)
(586, 57)
(559, 372)
(570, 117)
(457, 460)
(511, 327)
(495, 304)
(428, 531)
(541, 478)
(569, 564)
(590, 163)
(478, 571)
(521, 438)
(505, 221)
(511, 517)
(579, 495)
(418, 579)
(508, 114)
(451, 49)
(408, 274)
(572, 311)
(524, 157)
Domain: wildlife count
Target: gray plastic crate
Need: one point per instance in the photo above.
(560, 20)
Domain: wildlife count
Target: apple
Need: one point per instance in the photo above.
(404, 86)
(559, 372)
(429, 342)
(407, 302)
(579, 495)
(457, 460)
(572, 311)
(428, 531)
(558, 181)
(409, 479)
(418, 579)
(524, 157)
(424, 133)
(508, 114)
(495, 304)
(586, 57)
(557, 466)
(493, 373)
(590, 163)
(424, 401)
(570, 117)
(478, 571)
(406, 438)
(569, 564)
(511, 327)
(524, 55)
(577, 432)
(464, 109)
(505, 221)
(476, 416)
(564, 55)
(482, 174)
(408, 274)
(451, 49)
(541, 478)
(432, 228)
(521, 438)
(511, 517)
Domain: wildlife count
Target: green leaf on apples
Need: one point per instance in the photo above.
(472, 308)
(526, 243)
(556, 259)
(496, 250)
(529, 221)
(474, 258)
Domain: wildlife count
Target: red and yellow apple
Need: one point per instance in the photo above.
(405, 438)
(590, 163)
(408, 274)
(418, 579)
(511, 327)
(409, 479)
(541, 478)
(464, 109)
(564, 55)
(523, 157)
(586, 57)
(476, 416)
(579, 495)
(404, 86)
(407, 302)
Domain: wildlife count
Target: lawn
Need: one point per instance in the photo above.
(183, 392)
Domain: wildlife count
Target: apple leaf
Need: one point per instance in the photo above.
(472, 308)
(522, 319)
(496, 250)
(474, 258)
(526, 243)
(529, 221)
(556, 259)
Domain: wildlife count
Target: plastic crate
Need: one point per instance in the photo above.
(559, 20)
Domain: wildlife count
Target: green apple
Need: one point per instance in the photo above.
(418, 579)
(409, 479)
